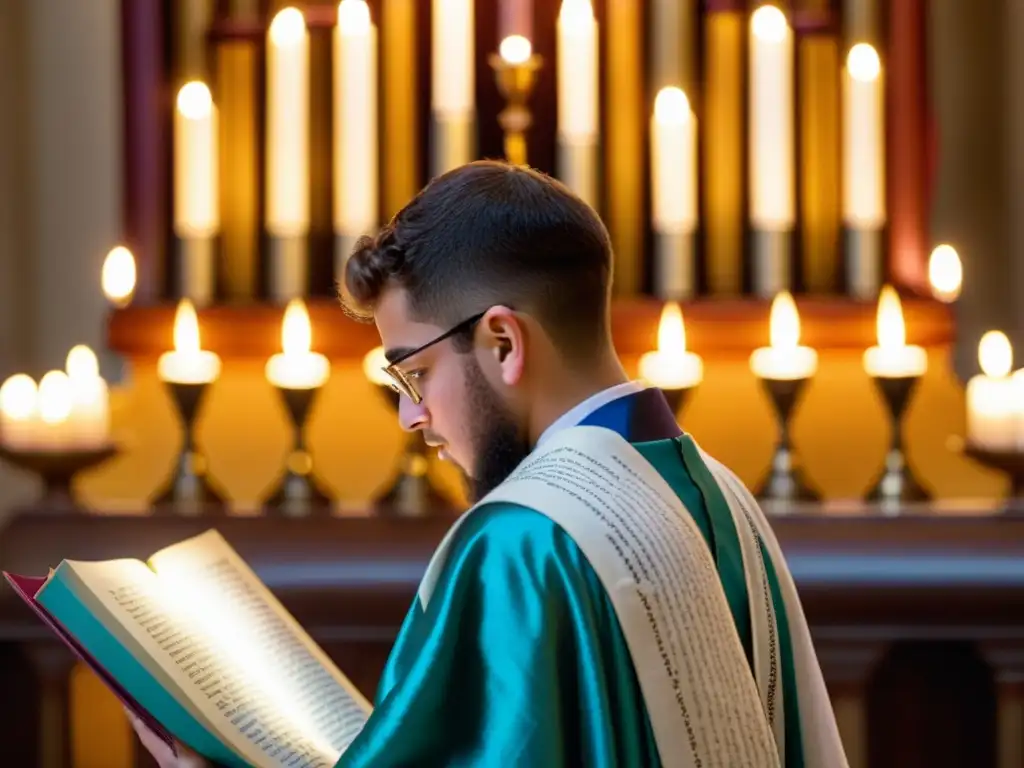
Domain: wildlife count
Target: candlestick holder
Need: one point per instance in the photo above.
(189, 491)
(515, 82)
(411, 493)
(897, 483)
(57, 470)
(1010, 462)
(298, 493)
(785, 482)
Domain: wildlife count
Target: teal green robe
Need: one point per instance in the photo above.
(519, 658)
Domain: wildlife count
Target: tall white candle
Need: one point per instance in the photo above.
(355, 120)
(20, 426)
(673, 163)
(772, 168)
(90, 400)
(993, 413)
(453, 75)
(196, 206)
(287, 142)
(863, 139)
(577, 98)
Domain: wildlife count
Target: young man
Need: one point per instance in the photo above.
(491, 293)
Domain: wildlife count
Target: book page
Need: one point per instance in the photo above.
(237, 607)
(662, 580)
(197, 668)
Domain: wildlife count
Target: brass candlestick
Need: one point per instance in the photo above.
(515, 80)
(785, 482)
(297, 493)
(1009, 461)
(897, 484)
(57, 470)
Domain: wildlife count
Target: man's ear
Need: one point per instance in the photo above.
(503, 335)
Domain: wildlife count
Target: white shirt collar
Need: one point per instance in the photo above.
(579, 412)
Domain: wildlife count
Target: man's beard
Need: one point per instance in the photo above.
(498, 442)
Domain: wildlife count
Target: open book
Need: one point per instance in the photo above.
(196, 645)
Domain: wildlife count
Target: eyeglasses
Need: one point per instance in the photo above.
(401, 381)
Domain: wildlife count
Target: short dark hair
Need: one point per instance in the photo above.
(491, 233)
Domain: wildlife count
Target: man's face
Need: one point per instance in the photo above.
(461, 412)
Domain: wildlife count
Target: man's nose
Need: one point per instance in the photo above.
(410, 415)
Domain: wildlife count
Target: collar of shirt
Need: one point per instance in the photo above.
(579, 412)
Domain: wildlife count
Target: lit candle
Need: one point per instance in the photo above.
(784, 359)
(287, 141)
(673, 163)
(893, 358)
(772, 167)
(188, 363)
(374, 363)
(196, 209)
(20, 426)
(577, 98)
(670, 366)
(945, 273)
(863, 139)
(453, 81)
(516, 19)
(296, 367)
(118, 276)
(55, 404)
(355, 121)
(993, 410)
(90, 399)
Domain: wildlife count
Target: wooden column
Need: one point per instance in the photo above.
(1013, 29)
(908, 172)
(53, 662)
(847, 666)
(146, 143)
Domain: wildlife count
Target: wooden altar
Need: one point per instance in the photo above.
(918, 618)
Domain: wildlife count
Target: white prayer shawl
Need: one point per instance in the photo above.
(705, 706)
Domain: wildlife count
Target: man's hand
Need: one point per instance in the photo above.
(179, 757)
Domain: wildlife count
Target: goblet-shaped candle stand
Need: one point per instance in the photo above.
(298, 375)
(784, 368)
(515, 70)
(1009, 461)
(57, 469)
(188, 371)
(895, 368)
(410, 492)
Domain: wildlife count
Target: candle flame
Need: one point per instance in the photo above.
(18, 397)
(354, 17)
(118, 276)
(576, 15)
(55, 397)
(995, 355)
(945, 273)
(296, 333)
(784, 322)
(195, 101)
(288, 27)
(671, 330)
(186, 328)
(515, 49)
(769, 24)
(671, 107)
(81, 364)
(890, 329)
(863, 64)
(373, 363)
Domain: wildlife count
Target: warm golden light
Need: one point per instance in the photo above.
(354, 17)
(81, 364)
(195, 101)
(890, 329)
(768, 23)
(863, 64)
(671, 330)
(995, 355)
(186, 328)
(515, 49)
(374, 362)
(188, 363)
(296, 333)
(118, 276)
(55, 396)
(288, 27)
(576, 14)
(671, 106)
(945, 273)
(784, 322)
(18, 397)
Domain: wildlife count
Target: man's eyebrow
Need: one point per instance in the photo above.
(397, 353)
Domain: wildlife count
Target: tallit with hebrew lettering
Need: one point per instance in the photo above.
(705, 705)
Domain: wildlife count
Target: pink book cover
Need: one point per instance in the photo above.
(27, 587)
